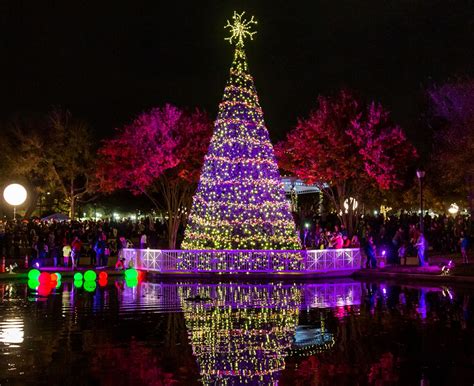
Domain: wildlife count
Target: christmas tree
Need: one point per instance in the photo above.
(240, 202)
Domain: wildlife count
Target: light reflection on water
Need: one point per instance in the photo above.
(11, 331)
(233, 333)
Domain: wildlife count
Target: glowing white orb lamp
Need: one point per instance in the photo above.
(15, 195)
(453, 209)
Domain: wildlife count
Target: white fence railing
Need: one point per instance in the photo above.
(243, 261)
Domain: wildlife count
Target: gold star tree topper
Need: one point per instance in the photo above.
(240, 29)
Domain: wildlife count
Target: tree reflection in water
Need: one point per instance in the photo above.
(241, 334)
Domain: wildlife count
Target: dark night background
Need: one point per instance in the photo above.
(107, 61)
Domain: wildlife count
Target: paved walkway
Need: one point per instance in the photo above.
(460, 273)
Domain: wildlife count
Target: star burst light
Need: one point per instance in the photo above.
(240, 29)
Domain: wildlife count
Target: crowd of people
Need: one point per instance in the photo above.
(72, 242)
(94, 242)
(395, 236)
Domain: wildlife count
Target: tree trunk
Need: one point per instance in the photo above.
(72, 201)
(173, 227)
(177, 195)
(72, 209)
(32, 204)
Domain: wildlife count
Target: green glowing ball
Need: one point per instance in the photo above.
(90, 275)
(131, 273)
(90, 286)
(131, 282)
(58, 275)
(78, 283)
(33, 284)
(33, 274)
(78, 276)
(58, 284)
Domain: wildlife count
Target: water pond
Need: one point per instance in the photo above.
(230, 333)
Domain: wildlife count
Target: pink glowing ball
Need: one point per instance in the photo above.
(44, 278)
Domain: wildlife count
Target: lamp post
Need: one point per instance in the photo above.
(421, 174)
(15, 194)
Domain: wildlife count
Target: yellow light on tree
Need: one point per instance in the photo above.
(15, 195)
(350, 202)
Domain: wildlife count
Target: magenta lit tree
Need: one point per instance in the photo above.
(240, 202)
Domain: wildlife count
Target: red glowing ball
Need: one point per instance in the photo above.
(103, 275)
(44, 278)
(102, 282)
(54, 277)
(44, 289)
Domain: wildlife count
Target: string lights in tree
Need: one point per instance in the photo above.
(240, 201)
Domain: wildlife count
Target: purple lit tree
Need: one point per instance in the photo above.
(240, 202)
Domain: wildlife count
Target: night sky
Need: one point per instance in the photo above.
(106, 61)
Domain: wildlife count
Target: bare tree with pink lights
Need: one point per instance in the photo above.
(345, 147)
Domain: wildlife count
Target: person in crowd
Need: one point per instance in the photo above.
(355, 243)
(346, 242)
(99, 249)
(370, 251)
(464, 243)
(421, 248)
(306, 233)
(105, 258)
(120, 264)
(76, 247)
(91, 252)
(402, 253)
(66, 254)
(413, 237)
(2, 237)
(399, 238)
(34, 251)
(343, 230)
(43, 251)
(54, 253)
(322, 242)
(328, 242)
(121, 245)
(143, 241)
(337, 240)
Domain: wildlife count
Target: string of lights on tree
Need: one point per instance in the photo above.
(241, 335)
(240, 201)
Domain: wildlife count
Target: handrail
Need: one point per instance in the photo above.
(243, 261)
